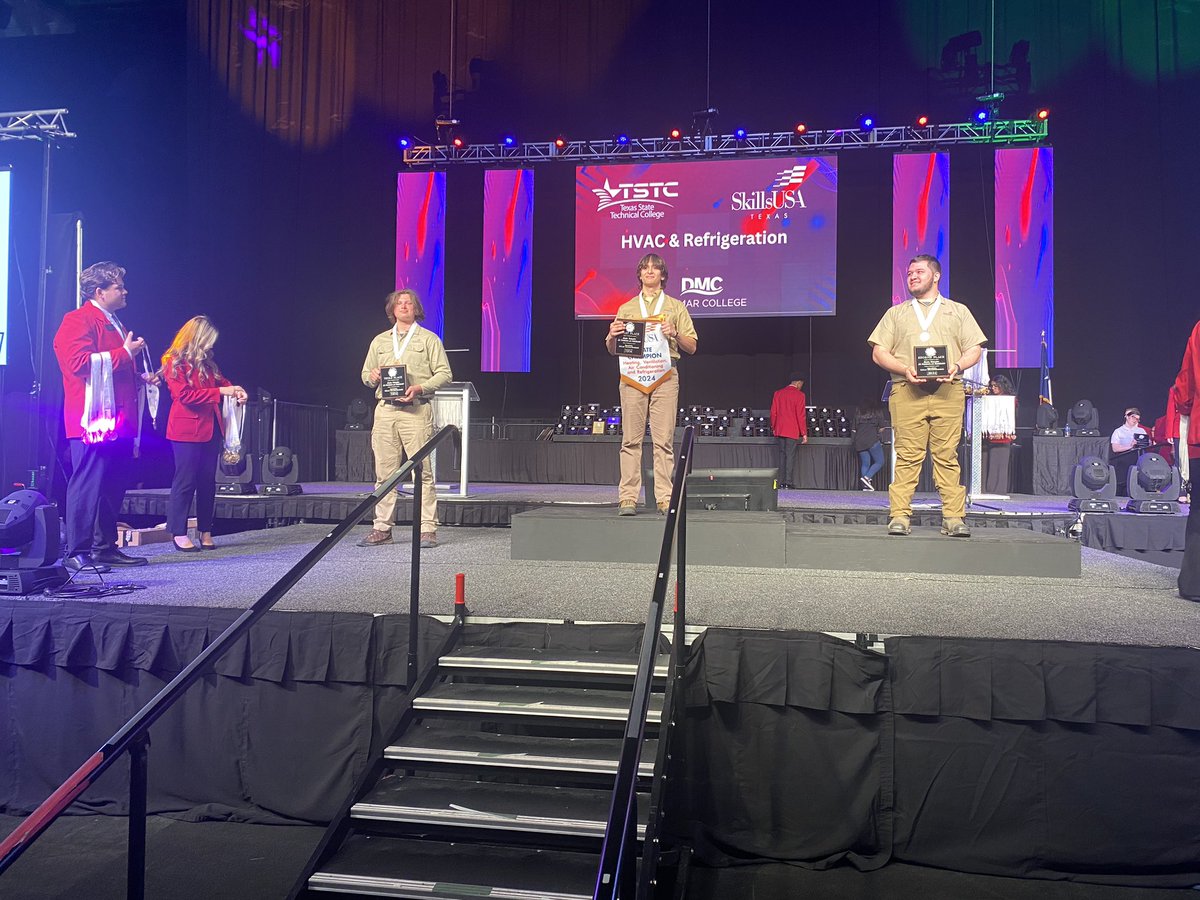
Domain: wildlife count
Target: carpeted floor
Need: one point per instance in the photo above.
(1117, 600)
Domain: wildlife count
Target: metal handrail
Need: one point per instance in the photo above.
(617, 857)
(134, 733)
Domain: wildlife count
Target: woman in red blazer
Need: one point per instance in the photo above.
(195, 428)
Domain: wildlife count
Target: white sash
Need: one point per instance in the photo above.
(1184, 452)
(654, 366)
(233, 414)
(99, 418)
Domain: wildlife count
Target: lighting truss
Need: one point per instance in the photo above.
(34, 125)
(900, 137)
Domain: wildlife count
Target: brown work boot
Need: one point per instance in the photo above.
(664, 508)
(428, 539)
(955, 528)
(899, 525)
(375, 537)
(627, 508)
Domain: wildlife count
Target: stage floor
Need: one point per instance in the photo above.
(1116, 600)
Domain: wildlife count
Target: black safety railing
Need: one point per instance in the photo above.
(133, 736)
(618, 874)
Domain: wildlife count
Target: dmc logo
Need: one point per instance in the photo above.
(644, 191)
(708, 285)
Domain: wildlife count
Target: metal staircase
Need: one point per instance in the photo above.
(499, 782)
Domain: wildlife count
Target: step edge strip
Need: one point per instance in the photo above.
(333, 881)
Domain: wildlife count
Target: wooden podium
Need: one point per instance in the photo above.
(452, 406)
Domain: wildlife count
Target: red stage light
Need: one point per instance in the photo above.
(560, 142)
(801, 128)
(458, 143)
(1042, 114)
(922, 121)
(674, 134)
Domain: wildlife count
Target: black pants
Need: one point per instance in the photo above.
(195, 476)
(95, 491)
(1189, 572)
(787, 459)
(996, 458)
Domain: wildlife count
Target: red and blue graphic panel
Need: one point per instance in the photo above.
(421, 241)
(745, 237)
(920, 216)
(1024, 256)
(507, 270)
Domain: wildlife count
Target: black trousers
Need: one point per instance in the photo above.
(1189, 572)
(195, 476)
(996, 459)
(99, 476)
(787, 459)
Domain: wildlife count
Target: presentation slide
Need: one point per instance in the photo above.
(744, 237)
(5, 204)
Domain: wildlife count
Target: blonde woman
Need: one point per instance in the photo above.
(196, 386)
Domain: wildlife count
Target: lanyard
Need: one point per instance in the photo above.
(399, 348)
(926, 320)
(657, 308)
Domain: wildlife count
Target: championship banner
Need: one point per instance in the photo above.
(745, 237)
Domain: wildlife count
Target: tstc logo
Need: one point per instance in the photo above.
(637, 191)
(706, 285)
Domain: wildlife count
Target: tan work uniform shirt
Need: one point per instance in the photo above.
(672, 311)
(953, 326)
(425, 361)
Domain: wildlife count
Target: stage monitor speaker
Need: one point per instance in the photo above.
(733, 489)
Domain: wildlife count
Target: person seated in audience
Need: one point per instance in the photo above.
(1124, 438)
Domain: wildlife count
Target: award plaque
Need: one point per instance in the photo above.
(931, 362)
(393, 382)
(632, 342)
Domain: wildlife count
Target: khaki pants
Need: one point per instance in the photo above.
(661, 406)
(399, 432)
(925, 416)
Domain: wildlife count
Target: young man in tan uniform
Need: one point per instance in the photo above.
(926, 413)
(404, 426)
(652, 303)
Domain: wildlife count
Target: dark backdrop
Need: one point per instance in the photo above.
(264, 196)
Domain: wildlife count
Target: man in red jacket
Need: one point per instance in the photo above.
(789, 424)
(98, 359)
(1183, 393)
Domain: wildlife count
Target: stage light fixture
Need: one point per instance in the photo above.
(622, 139)
(981, 115)
(236, 473)
(1153, 486)
(509, 141)
(1040, 115)
(403, 142)
(922, 121)
(866, 123)
(281, 471)
(358, 415)
(1046, 422)
(739, 134)
(1093, 486)
(801, 128)
(674, 134)
(1084, 419)
(29, 535)
(459, 142)
(560, 142)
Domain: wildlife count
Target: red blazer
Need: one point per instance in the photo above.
(196, 401)
(85, 331)
(1185, 388)
(789, 415)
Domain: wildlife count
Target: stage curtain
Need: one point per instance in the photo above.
(783, 751)
(279, 731)
(1044, 759)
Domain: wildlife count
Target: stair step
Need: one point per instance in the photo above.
(426, 742)
(396, 867)
(515, 700)
(583, 662)
(529, 808)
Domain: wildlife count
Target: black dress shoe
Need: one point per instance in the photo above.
(111, 556)
(83, 562)
(194, 548)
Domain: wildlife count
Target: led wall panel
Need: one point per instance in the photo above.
(507, 270)
(920, 216)
(421, 241)
(1024, 256)
(5, 212)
